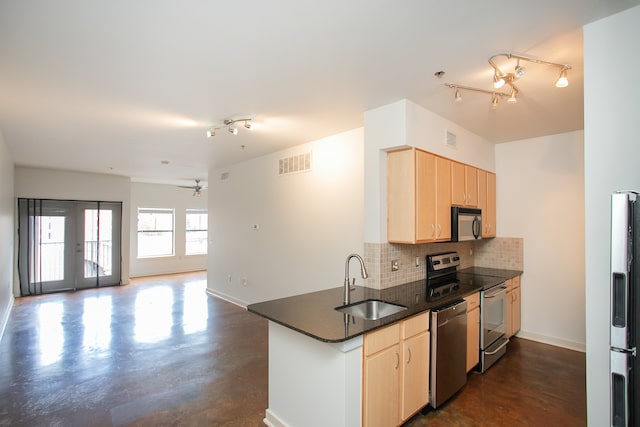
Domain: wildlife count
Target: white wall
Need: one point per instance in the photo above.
(308, 222)
(63, 185)
(7, 206)
(172, 197)
(540, 187)
(405, 123)
(612, 158)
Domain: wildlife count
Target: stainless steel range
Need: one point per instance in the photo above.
(444, 279)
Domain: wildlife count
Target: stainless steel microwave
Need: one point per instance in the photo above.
(466, 224)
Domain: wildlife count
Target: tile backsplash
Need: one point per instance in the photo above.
(497, 253)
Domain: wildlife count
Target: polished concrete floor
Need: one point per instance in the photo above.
(160, 352)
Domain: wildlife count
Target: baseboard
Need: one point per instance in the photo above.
(272, 419)
(5, 316)
(558, 342)
(227, 298)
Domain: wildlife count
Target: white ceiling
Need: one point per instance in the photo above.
(119, 86)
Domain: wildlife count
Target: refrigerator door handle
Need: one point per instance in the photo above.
(619, 304)
(620, 239)
(619, 407)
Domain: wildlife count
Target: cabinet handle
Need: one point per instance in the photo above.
(397, 360)
(433, 230)
(439, 230)
(464, 197)
(409, 358)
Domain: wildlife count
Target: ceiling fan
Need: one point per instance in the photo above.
(197, 189)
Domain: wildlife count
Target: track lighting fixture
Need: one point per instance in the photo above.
(562, 80)
(494, 101)
(519, 70)
(500, 79)
(230, 125)
(495, 95)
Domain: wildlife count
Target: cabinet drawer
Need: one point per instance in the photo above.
(415, 325)
(473, 301)
(381, 339)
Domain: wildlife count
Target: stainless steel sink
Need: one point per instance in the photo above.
(371, 309)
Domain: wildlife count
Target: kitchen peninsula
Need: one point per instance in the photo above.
(316, 352)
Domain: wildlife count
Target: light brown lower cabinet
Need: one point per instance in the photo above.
(396, 372)
(513, 306)
(473, 330)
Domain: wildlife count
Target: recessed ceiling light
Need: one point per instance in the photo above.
(164, 162)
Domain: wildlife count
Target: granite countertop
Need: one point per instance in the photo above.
(314, 314)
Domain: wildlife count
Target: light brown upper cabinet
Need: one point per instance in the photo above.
(487, 202)
(464, 185)
(418, 197)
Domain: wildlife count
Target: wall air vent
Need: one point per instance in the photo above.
(294, 164)
(450, 139)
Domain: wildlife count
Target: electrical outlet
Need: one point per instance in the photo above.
(245, 281)
(229, 278)
(395, 265)
(417, 261)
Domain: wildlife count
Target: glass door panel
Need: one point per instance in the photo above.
(95, 260)
(67, 245)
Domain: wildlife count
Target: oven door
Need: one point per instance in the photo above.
(492, 310)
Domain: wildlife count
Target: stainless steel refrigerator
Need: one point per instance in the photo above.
(625, 309)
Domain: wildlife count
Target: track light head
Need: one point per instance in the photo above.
(562, 80)
(233, 130)
(494, 101)
(211, 132)
(458, 95)
(247, 124)
(520, 70)
(498, 80)
(512, 98)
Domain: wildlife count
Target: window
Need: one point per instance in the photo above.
(196, 232)
(155, 232)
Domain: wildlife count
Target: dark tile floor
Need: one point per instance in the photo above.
(160, 352)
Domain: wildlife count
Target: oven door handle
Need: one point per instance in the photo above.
(494, 293)
(490, 353)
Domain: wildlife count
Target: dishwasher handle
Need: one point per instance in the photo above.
(449, 313)
(495, 291)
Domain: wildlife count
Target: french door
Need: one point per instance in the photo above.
(68, 245)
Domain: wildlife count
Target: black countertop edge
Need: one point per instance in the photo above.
(313, 314)
(489, 271)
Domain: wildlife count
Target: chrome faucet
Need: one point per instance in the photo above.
(347, 285)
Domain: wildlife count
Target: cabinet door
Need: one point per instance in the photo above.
(516, 311)
(401, 209)
(443, 199)
(491, 205)
(425, 196)
(508, 309)
(471, 185)
(415, 376)
(458, 188)
(473, 338)
(482, 200)
(380, 404)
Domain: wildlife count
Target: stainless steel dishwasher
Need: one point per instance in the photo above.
(448, 351)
